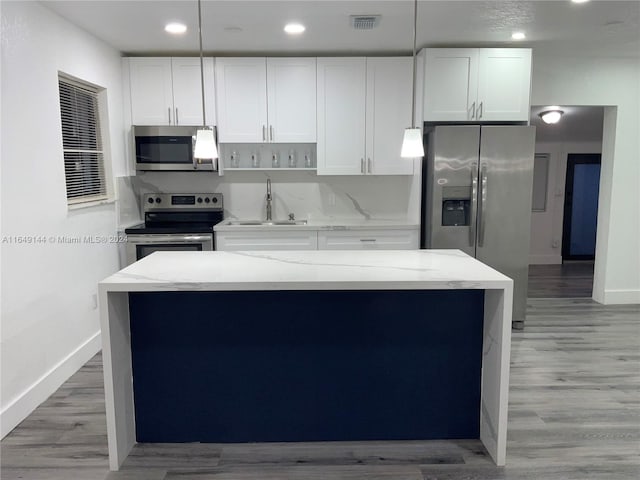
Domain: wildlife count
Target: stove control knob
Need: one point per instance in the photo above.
(158, 199)
(206, 200)
(150, 200)
(199, 200)
(214, 200)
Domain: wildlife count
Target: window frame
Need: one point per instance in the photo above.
(102, 121)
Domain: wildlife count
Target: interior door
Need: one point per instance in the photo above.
(581, 207)
(504, 204)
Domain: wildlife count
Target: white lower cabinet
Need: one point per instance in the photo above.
(268, 240)
(369, 240)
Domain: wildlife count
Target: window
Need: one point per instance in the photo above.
(540, 181)
(82, 142)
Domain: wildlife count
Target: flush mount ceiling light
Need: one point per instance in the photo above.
(175, 28)
(205, 148)
(412, 142)
(579, 1)
(551, 116)
(294, 28)
(518, 36)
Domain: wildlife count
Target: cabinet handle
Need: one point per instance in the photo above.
(177, 121)
(473, 110)
(480, 110)
(169, 110)
(271, 131)
(264, 133)
(367, 239)
(369, 164)
(362, 165)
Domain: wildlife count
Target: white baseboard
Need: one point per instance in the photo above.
(46, 385)
(545, 259)
(620, 297)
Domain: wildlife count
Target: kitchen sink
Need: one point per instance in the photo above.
(267, 222)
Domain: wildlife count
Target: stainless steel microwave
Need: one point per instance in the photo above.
(165, 148)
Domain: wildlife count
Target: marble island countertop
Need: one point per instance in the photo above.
(306, 270)
(231, 224)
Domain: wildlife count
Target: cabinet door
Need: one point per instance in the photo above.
(187, 92)
(388, 114)
(151, 91)
(369, 240)
(450, 84)
(291, 100)
(504, 84)
(341, 116)
(271, 240)
(241, 98)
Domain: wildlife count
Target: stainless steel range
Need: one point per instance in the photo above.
(173, 222)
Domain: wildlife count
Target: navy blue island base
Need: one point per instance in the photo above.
(265, 366)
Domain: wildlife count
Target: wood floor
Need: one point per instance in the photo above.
(574, 414)
(569, 280)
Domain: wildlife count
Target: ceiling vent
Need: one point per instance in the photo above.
(365, 22)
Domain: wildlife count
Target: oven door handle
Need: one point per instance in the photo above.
(154, 239)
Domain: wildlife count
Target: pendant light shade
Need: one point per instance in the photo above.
(205, 147)
(412, 142)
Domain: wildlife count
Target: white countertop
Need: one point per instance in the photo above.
(321, 224)
(306, 270)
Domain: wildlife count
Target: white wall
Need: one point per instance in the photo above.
(49, 320)
(547, 226)
(615, 83)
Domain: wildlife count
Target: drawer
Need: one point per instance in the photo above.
(368, 240)
(288, 240)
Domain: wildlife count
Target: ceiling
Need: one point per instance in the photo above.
(255, 27)
(578, 124)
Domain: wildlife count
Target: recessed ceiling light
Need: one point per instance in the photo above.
(175, 28)
(518, 36)
(579, 1)
(294, 28)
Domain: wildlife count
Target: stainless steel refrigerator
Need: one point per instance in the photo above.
(476, 196)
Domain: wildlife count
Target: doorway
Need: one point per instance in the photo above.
(580, 217)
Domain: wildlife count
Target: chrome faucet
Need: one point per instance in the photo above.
(269, 199)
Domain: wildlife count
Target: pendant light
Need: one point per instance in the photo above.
(412, 143)
(205, 148)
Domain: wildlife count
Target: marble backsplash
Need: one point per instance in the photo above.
(305, 194)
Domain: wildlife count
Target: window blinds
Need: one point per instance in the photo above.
(81, 142)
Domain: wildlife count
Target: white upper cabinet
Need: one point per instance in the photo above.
(167, 91)
(341, 115)
(266, 100)
(450, 84)
(291, 99)
(471, 84)
(241, 97)
(504, 84)
(364, 105)
(388, 114)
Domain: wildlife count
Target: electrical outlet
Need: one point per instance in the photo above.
(94, 301)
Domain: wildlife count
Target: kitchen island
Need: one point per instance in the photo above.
(306, 346)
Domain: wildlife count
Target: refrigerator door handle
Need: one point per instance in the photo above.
(483, 201)
(474, 204)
